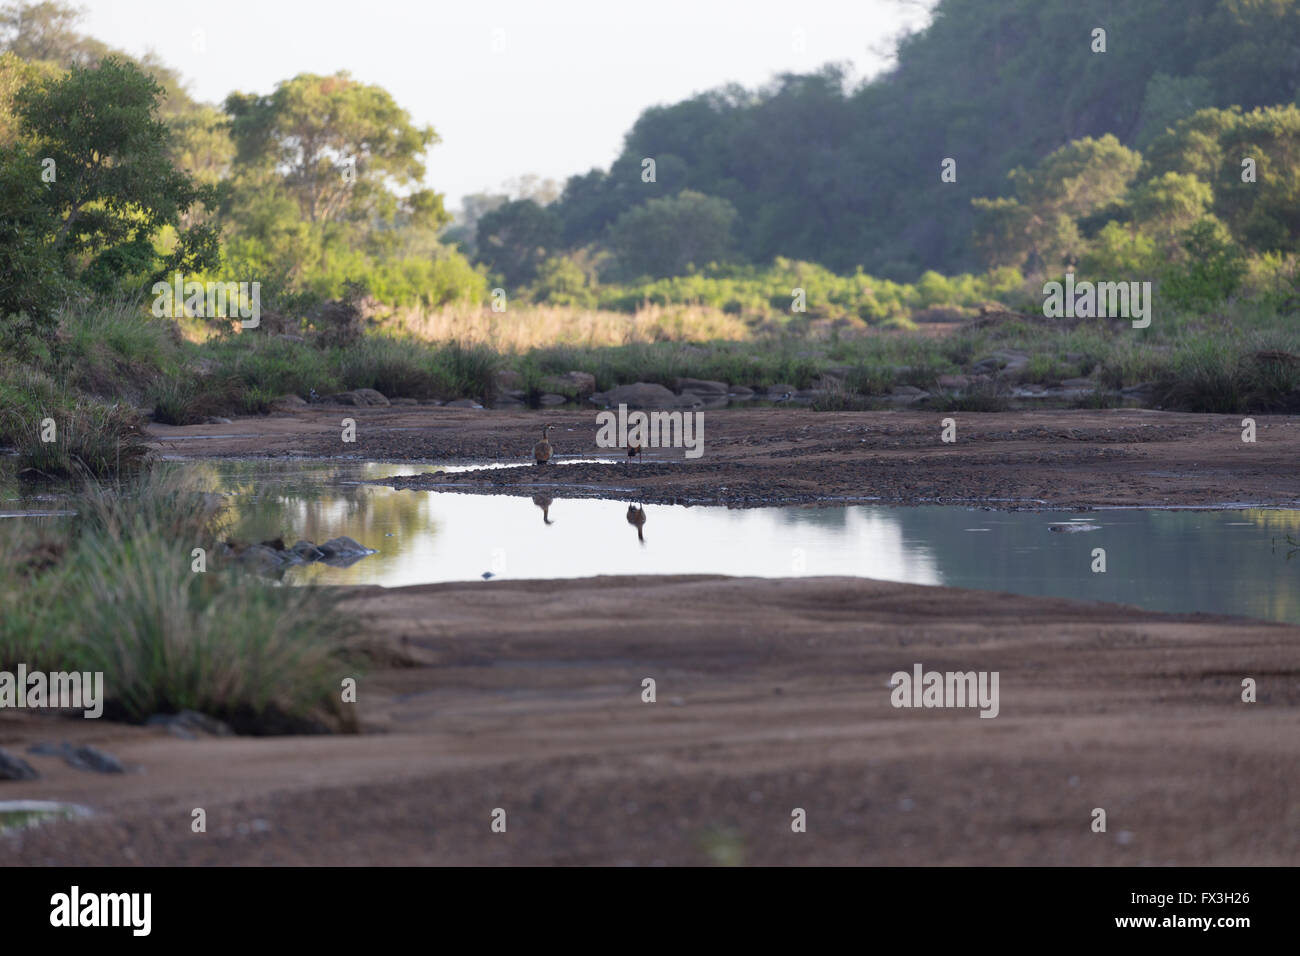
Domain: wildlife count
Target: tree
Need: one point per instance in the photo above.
(1038, 226)
(665, 237)
(44, 32)
(516, 238)
(113, 187)
(344, 148)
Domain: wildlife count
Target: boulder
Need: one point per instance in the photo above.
(639, 395)
(580, 384)
(552, 399)
(287, 403)
(508, 379)
(307, 551)
(700, 386)
(262, 557)
(342, 547)
(463, 403)
(188, 724)
(91, 758)
(954, 381)
(359, 397)
(15, 768)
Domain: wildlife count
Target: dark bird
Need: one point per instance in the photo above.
(632, 452)
(542, 451)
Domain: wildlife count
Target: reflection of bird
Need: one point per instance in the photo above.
(542, 450)
(636, 516)
(544, 502)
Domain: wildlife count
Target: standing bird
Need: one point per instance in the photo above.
(542, 450)
(636, 516)
(632, 452)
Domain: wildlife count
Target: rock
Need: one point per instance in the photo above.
(641, 395)
(15, 768)
(508, 379)
(188, 724)
(954, 381)
(343, 547)
(262, 557)
(551, 399)
(360, 397)
(906, 394)
(287, 402)
(700, 386)
(307, 551)
(580, 384)
(463, 403)
(91, 758)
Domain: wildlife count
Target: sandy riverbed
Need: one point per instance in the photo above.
(771, 694)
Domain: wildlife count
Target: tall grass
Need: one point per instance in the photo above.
(115, 590)
(524, 327)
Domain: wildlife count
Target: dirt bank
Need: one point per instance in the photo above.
(762, 456)
(771, 696)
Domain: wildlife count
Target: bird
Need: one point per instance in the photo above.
(542, 450)
(632, 452)
(544, 502)
(636, 516)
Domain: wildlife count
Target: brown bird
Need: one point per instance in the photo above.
(542, 450)
(636, 516)
(544, 502)
(632, 452)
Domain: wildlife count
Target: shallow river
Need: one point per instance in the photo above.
(1232, 562)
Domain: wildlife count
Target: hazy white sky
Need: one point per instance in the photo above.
(511, 86)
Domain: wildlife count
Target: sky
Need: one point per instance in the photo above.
(511, 87)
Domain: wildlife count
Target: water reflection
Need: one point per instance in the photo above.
(1231, 562)
(636, 517)
(544, 502)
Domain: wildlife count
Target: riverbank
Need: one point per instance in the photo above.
(1057, 459)
(771, 696)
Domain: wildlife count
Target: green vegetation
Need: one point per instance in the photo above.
(114, 591)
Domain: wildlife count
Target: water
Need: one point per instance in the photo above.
(1228, 562)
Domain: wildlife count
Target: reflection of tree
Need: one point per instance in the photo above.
(1273, 519)
(310, 500)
